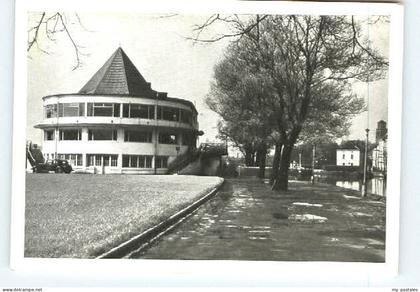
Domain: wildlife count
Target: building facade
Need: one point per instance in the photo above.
(348, 157)
(379, 153)
(118, 124)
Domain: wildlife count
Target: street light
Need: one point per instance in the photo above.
(364, 185)
(313, 164)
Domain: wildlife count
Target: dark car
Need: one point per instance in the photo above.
(56, 165)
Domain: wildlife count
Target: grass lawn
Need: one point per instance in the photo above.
(83, 215)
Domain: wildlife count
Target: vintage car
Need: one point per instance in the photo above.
(56, 165)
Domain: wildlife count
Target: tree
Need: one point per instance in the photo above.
(310, 60)
(45, 27)
(239, 95)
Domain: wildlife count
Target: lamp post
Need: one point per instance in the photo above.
(364, 185)
(313, 165)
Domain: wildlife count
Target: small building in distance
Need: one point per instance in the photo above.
(348, 157)
(379, 153)
(118, 124)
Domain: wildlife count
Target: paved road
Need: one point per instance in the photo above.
(247, 221)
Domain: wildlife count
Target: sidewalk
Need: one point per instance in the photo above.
(248, 221)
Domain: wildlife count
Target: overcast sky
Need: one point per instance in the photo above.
(158, 48)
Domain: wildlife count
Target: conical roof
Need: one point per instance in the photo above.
(118, 76)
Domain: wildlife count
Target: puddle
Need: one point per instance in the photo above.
(376, 202)
(355, 246)
(307, 204)
(259, 231)
(371, 241)
(307, 218)
(225, 220)
(351, 197)
(257, 238)
(360, 214)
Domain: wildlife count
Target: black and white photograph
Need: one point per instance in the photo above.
(210, 136)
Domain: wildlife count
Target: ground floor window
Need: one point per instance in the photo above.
(102, 159)
(73, 159)
(161, 161)
(137, 161)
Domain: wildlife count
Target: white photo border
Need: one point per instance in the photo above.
(216, 269)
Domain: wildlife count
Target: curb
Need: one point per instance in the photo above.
(142, 239)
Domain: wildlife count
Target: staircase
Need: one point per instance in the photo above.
(33, 154)
(183, 161)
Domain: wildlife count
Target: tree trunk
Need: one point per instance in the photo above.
(281, 182)
(258, 157)
(248, 156)
(276, 163)
(262, 155)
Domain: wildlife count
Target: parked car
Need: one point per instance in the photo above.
(56, 165)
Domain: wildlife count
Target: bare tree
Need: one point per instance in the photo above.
(45, 27)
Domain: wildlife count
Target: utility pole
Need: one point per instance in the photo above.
(313, 165)
(364, 184)
(300, 160)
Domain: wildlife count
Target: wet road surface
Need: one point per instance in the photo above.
(248, 221)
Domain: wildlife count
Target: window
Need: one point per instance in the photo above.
(73, 159)
(103, 109)
(90, 160)
(351, 156)
(186, 117)
(49, 135)
(139, 111)
(142, 111)
(114, 160)
(137, 136)
(103, 134)
(70, 135)
(50, 111)
(99, 159)
(126, 110)
(71, 109)
(168, 113)
(137, 161)
(167, 138)
(161, 161)
(344, 156)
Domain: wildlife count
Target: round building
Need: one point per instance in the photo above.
(118, 124)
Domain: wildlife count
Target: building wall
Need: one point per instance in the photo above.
(379, 156)
(348, 157)
(84, 147)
